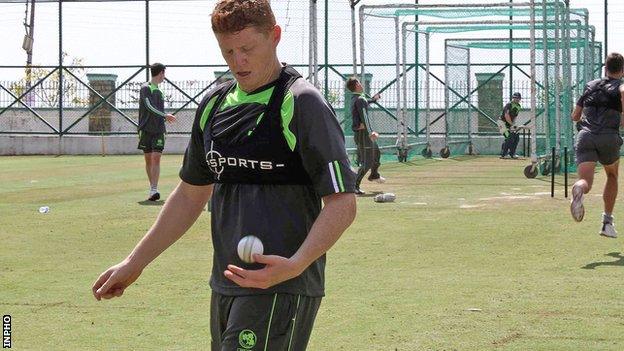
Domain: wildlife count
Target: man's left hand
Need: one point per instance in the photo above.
(277, 269)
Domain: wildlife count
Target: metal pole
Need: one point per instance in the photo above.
(552, 173)
(511, 52)
(606, 28)
(404, 72)
(400, 115)
(310, 42)
(326, 49)
(353, 38)
(533, 87)
(362, 64)
(29, 48)
(416, 78)
(446, 94)
(558, 72)
(60, 60)
(428, 92)
(524, 150)
(565, 170)
(441, 4)
(546, 68)
(315, 39)
(147, 40)
(469, 103)
(568, 76)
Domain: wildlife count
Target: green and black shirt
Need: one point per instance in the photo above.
(359, 111)
(513, 108)
(151, 109)
(272, 154)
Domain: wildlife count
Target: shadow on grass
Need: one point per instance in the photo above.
(151, 203)
(619, 262)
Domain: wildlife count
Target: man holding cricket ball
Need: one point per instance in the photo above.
(267, 149)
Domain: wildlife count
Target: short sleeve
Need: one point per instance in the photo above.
(506, 109)
(581, 100)
(321, 142)
(194, 169)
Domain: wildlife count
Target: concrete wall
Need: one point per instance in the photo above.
(82, 144)
(11, 144)
(22, 120)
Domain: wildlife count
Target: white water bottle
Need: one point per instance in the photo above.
(385, 197)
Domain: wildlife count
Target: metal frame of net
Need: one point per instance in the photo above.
(562, 52)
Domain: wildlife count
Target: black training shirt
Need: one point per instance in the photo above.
(151, 109)
(281, 215)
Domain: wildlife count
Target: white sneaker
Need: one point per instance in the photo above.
(608, 230)
(576, 205)
(379, 180)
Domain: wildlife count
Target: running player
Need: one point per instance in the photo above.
(598, 116)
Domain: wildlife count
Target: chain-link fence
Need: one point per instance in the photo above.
(88, 78)
(546, 41)
(90, 60)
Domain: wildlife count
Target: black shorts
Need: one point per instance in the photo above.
(151, 142)
(276, 322)
(603, 148)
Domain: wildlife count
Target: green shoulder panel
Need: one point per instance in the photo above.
(206, 112)
(287, 112)
(153, 87)
(239, 97)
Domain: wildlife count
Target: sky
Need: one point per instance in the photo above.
(113, 33)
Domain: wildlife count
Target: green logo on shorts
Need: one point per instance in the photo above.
(247, 339)
(159, 142)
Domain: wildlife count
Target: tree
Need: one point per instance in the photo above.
(47, 92)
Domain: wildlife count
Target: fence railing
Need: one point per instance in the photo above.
(44, 106)
(44, 95)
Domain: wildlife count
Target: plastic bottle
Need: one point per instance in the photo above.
(385, 197)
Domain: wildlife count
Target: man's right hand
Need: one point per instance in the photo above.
(115, 280)
(170, 118)
(374, 136)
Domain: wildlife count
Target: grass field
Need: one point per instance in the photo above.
(465, 233)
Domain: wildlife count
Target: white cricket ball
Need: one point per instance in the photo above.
(249, 245)
(44, 209)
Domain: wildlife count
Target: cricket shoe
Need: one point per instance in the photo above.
(576, 205)
(154, 197)
(379, 180)
(608, 230)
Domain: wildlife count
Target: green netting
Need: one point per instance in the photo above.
(458, 115)
(487, 27)
(522, 44)
(555, 96)
(458, 13)
(566, 58)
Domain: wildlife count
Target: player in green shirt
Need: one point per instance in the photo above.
(151, 127)
(268, 150)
